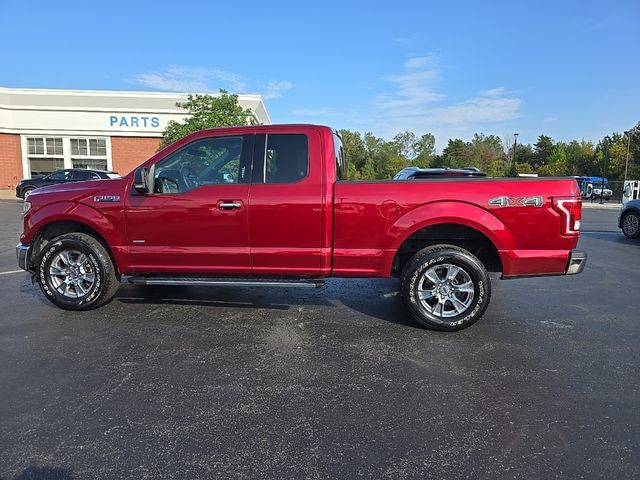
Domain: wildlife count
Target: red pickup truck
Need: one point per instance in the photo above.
(271, 205)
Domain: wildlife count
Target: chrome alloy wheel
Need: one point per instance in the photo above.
(446, 290)
(71, 273)
(630, 225)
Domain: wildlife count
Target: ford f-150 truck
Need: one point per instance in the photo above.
(271, 205)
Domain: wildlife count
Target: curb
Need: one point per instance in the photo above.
(8, 194)
(604, 206)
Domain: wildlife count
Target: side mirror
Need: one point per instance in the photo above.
(141, 181)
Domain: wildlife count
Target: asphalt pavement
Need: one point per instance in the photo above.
(168, 382)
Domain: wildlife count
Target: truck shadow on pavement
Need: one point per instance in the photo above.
(377, 298)
(44, 473)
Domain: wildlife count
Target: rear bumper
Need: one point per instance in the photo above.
(22, 255)
(538, 263)
(577, 261)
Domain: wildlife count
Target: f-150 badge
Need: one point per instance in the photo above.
(516, 201)
(106, 198)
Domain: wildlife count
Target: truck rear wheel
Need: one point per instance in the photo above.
(75, 272)
(445, 288)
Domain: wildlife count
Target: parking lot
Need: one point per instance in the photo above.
(168, 382)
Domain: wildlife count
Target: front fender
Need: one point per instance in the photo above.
(35, 221)
(452, 212)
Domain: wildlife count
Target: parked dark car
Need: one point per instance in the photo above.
(629, 219)
(412, 173)
(27, 185)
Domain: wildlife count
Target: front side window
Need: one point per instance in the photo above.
(208, 161)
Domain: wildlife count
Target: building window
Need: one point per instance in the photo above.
(46, 154)
(89, 153)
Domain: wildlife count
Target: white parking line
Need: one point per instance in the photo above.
(12, 271)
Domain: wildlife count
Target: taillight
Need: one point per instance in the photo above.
(570, 210)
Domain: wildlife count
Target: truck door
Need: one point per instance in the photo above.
(286, 205)
(196, 219)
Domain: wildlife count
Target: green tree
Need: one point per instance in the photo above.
(208, 111)
(355, 149)
(486, 153)
(634, 152)
(557, 163)
(542, 150)
(523, 154)
(581, 158)
(405, 144)
(453, 154)
(394, 164)
(425, 150)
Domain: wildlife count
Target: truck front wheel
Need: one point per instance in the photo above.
(445, 288)
(75, 272)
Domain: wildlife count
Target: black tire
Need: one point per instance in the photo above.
(463, 289)
(631, 224)
(27, 191)
(88, 267)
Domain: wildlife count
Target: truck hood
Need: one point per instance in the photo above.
(77, 191)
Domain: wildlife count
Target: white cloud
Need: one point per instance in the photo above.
(416, 102)
(414, 88)
(494, 92)
(275, 89)
(418, 62)
(485, 108)
(178, 78)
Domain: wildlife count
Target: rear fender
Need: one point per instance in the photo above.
(460, 213)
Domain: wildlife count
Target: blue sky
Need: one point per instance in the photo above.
(567, 69)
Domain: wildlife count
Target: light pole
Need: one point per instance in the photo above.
(513, 158)
(626, 164)
(605, 147)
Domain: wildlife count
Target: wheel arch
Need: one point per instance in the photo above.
(75, 218)
(456, 223)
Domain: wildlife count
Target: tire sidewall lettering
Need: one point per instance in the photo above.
(44, 280)
(479, 284)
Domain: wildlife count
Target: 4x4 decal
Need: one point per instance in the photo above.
(516, 201)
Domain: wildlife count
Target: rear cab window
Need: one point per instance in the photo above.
(281, 158)
(341, 160)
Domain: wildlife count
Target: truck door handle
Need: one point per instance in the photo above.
(229, 205)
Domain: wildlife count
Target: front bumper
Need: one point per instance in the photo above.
(576, 263)
(22, 255)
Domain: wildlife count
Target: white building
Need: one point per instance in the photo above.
(44, 130)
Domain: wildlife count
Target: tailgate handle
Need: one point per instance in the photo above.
(229, 205)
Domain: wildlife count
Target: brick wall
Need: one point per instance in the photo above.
(129, 152)
(10, 160)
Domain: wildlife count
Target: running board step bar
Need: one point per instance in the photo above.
(228, 281)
